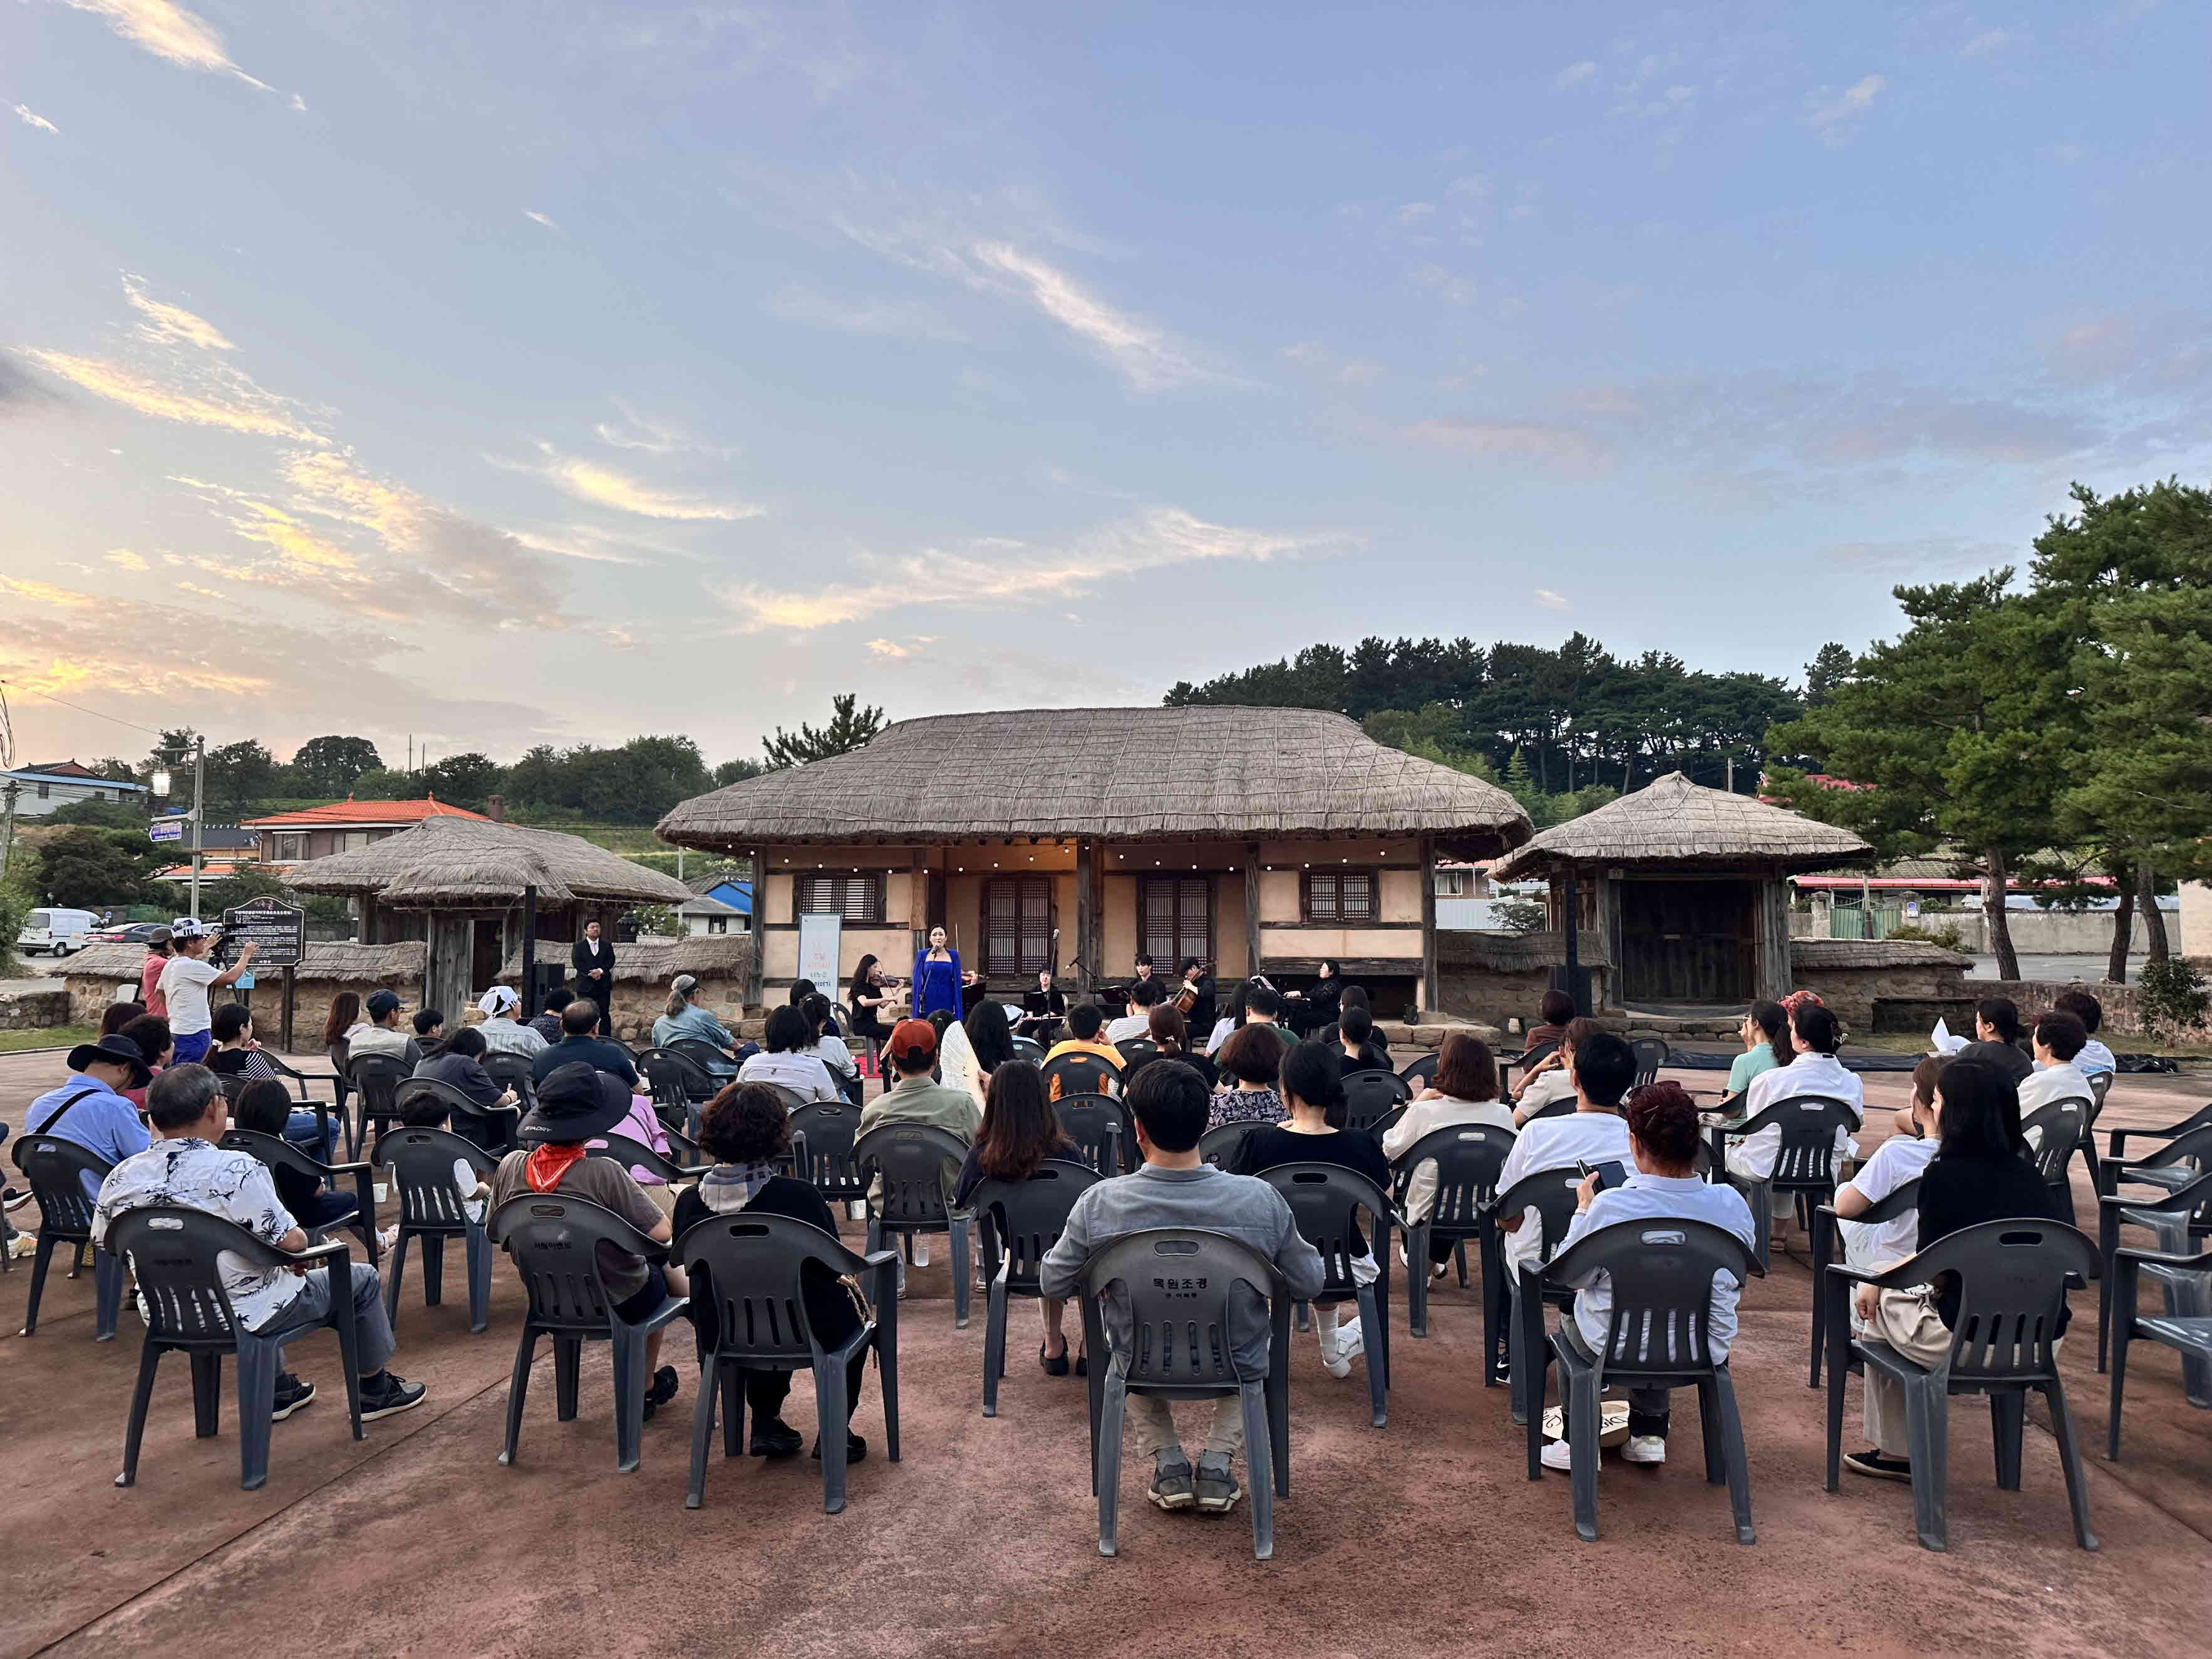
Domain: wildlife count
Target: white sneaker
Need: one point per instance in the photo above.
(1332, 1354)
(1645, 1449)
(23, 1244)
(1558, 1455)
(1351, 1342)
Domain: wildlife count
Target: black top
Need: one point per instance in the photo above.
(297, 1190)
(1321, 998)
(829, 1311)
(583, 959)
(547, 1026)
(465, 1072)
(1351, 1149)
(597, 1052)
(1373, 1057)
(1201, 1015)
(2007, 1059)
(1202, 1063)
(1956, 1192)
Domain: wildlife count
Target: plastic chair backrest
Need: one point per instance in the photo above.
(1808, 1125)
(1560, 1107)
(702, 1053)
(1132, 1046)
(512, 1070)
(495, 1127)
(1903, 1201)
(2192, 1147)
(1368, 1095)
(275, 1152)
(627, 1153)
(1468, 1159)
(2060, 1125)
(1099, 1127)
(792, 1099)
(1178, 1283)
(1080, 1074)
(1029, 1216)
(376, 1078)
(1650, 1054)
(172, 1251)
(232, 1083)
(56, 1168)
(1551, 1194)
(422, 1165)
(909, 1161)
(1531, 1054)
(825, 1132)
(1220, 1144)
(1325, 1200)
(1661, 1270)
(2100, 1084)
(1029, 1048)
(751, 1268)
(554, 1240)
(2012, 1285)
(1420, 1072)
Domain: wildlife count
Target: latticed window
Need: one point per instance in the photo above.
(1175, 920)
(1017, 926)
(856, 898)
(1340, 896)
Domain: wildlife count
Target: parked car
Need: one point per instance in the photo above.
(136, 933)
(61, 932)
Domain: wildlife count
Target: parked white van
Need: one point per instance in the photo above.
(59, 931)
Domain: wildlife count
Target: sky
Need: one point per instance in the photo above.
(498, 373)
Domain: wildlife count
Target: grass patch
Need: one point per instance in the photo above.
(47, 1037)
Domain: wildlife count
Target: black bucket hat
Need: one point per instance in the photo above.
(576, 1101)
(114, 1049)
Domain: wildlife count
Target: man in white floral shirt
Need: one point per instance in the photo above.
(186, 1167)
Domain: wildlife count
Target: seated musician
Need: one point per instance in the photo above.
(1042, 1010)
(1195, 997)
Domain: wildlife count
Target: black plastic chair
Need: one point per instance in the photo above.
(553, 1241)
(1545, 1200)
(1369, 1095)
(490, 1128)
(1179, 1284)
(376, 1080)
(1826, 1236)
(1650, 1054)
(677, 1079)
(906, 1164)
(56, 1169)
(2199, 1119)
(431, 1209)
(1467, 1157)
(1563, 1107)
(511, 1070)
(704, 1054)
(1030, 1049)
(1130, 1048)
(1080, 1075)
(2012, 1277)
(172, 1252)
(2059, 1128)
(1804, 1162)
(1026, 1220)
(635, 1154)
(750, 1268)
(2189, 1334)
(1526, 1058)
(1326, 1200)
(822, 1137)
(1418, 1074)
(277, 1153)
(1099, 1127)
(2176, 1222)
(2184, 1157)
(1661, 1273)
(1223, 1144)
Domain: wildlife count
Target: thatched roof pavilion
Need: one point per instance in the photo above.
(1135, 824)
(470, 877)
(1686, 884)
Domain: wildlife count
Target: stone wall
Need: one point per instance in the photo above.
(96, 976)
(2122, 1014)
(30, 1010)
(1853, 993)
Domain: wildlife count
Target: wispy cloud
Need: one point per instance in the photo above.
(124, 559)
(226, 397)
(1833, 115)
(1987, 41)
(1547, 444)
(1550, 600)
(602, 486)
(537, 217)
(888, 648)
(31, 118)
(653, 436)
(168, 324)
(170, 31)
(1146, 357)
(1002, 572)
(907, 320)
(1576, 73)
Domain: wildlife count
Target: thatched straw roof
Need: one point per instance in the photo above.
(1206, 773)
(1872, 953)
(456, 863)
(656, 962)
(1674, 821)
(323, 959)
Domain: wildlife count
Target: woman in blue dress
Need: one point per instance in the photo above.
(937, 978)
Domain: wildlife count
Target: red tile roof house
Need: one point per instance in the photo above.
(289, 838)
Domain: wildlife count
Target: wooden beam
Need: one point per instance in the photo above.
(1086, 918)
(1252, 958)
(756, 970)
(1430, 984)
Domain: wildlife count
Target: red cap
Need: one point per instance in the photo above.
(912, 1041)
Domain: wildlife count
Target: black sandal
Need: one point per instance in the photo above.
(1053, 1367)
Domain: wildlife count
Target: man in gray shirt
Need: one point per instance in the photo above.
(1175, 1188)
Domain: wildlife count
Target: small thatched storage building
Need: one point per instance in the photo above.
(460, 884)
(97, 975)
(1685, 887)
(1258, 839)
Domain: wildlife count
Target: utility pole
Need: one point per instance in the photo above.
(199, 796)
(8, 824)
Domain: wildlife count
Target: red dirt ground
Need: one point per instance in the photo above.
(1425, 1538)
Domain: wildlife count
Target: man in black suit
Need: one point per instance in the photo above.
(593, 960)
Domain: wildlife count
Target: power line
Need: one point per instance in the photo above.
(81, 709)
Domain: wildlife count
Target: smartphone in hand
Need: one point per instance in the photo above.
(1610, 1174)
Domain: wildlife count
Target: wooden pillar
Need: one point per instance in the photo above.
(1251, 908)
(1429, 988)
(1086, 918)
(1775, 979)
(756, 967)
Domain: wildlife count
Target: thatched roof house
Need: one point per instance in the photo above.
(1255, 839)
(462, 882)
(1688, 885)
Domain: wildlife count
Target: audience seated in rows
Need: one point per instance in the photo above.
(1551, 1079)
(185, 1166)
(1084, 1021)
(1814, 1035)
(1355, 1040)
(1175, 1188)
(2094, 1057)
(580, 1018)
(1170, 1036)
(459, 1064)
(1144, 996)
(1602, 1068)
(2058, 1041)
(1766, 1034)
(785, 1062)
(547, 1022)
(1663, 1185)
(502, 1033)
(1251, 1061)
(1999, 1038)
(1464, 1091)
(91, 1108)
(380, 1034)
(264, 1107)
(1020, 1130)
(1901, 1159)
(685, 1021)
(1554, 1012)
(746, 1129)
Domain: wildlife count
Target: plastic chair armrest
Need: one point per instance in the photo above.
(314, 1253)
(2200, 1264)
(362, 1168)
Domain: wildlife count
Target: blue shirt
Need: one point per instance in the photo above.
(101, 1121)
(1660, 1198)
(2095, 1057)
(693, 1025)
(936, 984)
